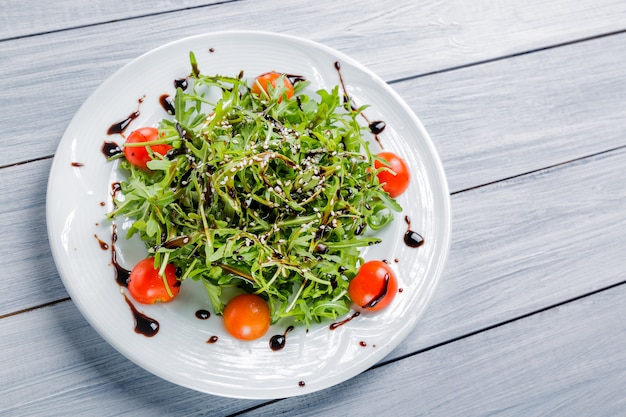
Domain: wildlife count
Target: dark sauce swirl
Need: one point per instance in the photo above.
(144, 325)
(120, 127)
(277, 342)
(379, 297)
(411, 238)
(377, 126)
(344, 321)
(203, 314)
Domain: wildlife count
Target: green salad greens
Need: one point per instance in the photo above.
(265, 193)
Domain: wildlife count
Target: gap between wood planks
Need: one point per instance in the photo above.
(513, 55)
(546, 168)
(25, 310)
(458, 338)
(87, 25)
(394, 81)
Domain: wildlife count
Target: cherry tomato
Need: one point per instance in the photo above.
(138, 155)
(247, 317)
(394, 184)
(374, 286)
(264, 80)
(146, 286)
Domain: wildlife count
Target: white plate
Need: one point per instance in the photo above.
(310, 361)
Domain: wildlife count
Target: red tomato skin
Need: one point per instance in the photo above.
(247, 317)
(263, 80)
(146, 286)
(396, 184)
(369, 284)
(138, 155)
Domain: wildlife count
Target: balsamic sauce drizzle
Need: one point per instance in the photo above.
(212, 339)
(121, 274)
(411, 238)
(111, 149)
(380, 295)
(144, 325)
(277, 342)
(77, 164)
(181, 83)
(167, 103)
(344, 321)
(120, 127)
(103, 244)
(293, 78)
(376, 126)
(115, 188)
(203, 314)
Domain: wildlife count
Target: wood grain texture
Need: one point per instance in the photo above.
(71, 370)
(525, 244)
(28, 273)
(402, 40)
(507, 260)
(31, 17)
(548, 107)
(568, 361)
(525, 103)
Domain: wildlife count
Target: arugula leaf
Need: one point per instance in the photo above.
(271, 196)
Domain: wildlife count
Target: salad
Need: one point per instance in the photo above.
(263, 193)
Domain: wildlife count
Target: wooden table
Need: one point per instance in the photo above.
(526, 104)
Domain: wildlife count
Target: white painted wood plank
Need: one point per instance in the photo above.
(525, 244)
(508, 117)
(54, 364)
(568, 361)
(21, 18)
(28, 274)
(518, 247)
(403, 39)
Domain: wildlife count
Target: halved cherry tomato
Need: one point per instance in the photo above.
(261, 83)
(247, 317)
(374, 286)
(146, 286)
(138, 155)
(394, 184)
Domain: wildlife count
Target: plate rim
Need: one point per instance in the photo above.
(446, 224)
